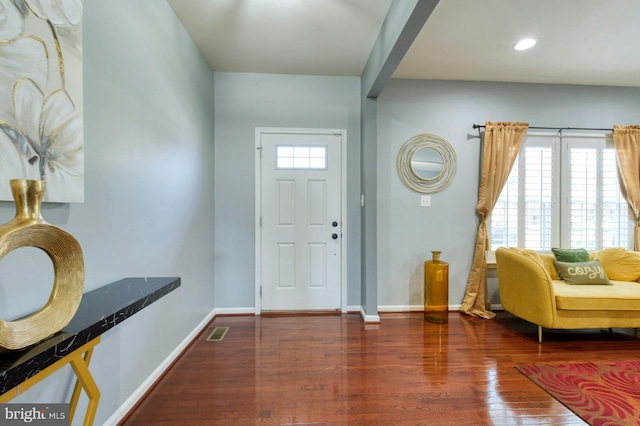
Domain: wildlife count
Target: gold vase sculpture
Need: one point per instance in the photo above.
(29, 229)
(436, 289)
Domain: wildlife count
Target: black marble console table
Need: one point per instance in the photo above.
(99, 311)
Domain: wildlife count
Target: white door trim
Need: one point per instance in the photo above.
(258, 205)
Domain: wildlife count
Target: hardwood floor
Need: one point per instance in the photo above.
(334, 370)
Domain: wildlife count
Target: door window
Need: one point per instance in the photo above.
(301, 157)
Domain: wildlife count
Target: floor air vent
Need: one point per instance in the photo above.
(217, 334)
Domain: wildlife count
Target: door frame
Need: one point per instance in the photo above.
(258, 206)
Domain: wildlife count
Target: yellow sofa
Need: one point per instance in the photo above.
(529, 289)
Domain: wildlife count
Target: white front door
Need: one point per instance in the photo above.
(301, 239)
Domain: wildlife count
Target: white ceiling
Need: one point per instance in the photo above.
(593, 42)
(315, 37)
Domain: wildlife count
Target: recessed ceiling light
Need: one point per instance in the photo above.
(525, 44)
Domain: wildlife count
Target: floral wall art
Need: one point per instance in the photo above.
(41, 132)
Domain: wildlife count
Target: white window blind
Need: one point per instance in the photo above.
(562, 192)
(538, 197)
(504, 217)
(583, 197)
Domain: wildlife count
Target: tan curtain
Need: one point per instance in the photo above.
(627, 143)
(502, 142)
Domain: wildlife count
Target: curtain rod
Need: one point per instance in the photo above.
(481, 126)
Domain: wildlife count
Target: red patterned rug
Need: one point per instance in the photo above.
(601, 394)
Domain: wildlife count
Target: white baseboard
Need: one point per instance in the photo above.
(354, 308)
(400, 308)
(369, 318)
(409, 308)
(133, 399)
(235, 311)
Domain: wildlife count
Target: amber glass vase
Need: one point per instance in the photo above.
(436, 289)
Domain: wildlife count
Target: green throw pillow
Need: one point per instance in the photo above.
(583, 272)
(571, 255)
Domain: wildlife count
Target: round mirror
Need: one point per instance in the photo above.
(427, 163)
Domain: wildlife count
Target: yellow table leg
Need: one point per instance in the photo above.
(79, 361)
(80, 366)
(9, 395)
(75, 396)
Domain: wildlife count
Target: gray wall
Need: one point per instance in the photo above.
(149, 204)
(247, 101)
(407, 232)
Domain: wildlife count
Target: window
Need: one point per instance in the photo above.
(301, 157)
(562, 192)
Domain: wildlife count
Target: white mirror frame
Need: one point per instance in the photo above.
(409, 176)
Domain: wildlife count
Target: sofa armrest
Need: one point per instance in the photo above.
(525, 287)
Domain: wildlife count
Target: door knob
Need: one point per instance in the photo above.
(334, 236)
(334, 224)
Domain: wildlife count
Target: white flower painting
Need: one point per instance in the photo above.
(41, 132)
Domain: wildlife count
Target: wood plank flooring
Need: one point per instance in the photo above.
(334, 370)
